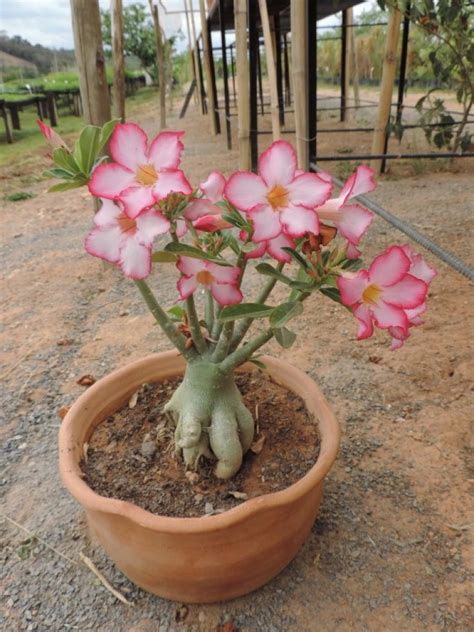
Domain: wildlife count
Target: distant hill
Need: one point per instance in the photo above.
(44, 59)
(10, 61)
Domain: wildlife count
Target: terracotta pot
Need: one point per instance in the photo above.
(204, 559)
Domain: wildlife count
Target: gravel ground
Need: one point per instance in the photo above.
(391, 548)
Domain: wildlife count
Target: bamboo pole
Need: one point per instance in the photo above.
(386, 89)
(354, 62)
(160, 62)
(271, 69)
(211, 95)
(243, 93)
(200, 90)
(118, 87)
(90, 61)
(300, 79)
(190, 48)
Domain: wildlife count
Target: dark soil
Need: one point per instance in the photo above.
(131, 454)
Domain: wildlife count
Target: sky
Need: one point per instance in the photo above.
(48, 22)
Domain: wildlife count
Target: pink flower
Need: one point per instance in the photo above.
(52, 137)
(352, 220)
(203, 212)
(222, 281)
(421, 270)
(278, 200)
(142, 174)
(384, 293)
(274, 247)
(125, 240)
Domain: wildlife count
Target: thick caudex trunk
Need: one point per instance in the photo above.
(210, 418)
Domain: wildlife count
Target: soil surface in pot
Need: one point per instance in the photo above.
(131, 457)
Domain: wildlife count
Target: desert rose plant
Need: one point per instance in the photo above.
(149, 215)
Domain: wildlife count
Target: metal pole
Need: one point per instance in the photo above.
(253, 64)
(311, 78)
(403, 63)
(279, 74)
(343, 65)
(225, 74)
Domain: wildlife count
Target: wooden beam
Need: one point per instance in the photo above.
(386, 88)
(118, 88)
(160, 61)
(190, 47)
(90, 61)
(211, 95)
(300, 79)
(354, 62)
(271, 69)
(200, 86)
(243, 93)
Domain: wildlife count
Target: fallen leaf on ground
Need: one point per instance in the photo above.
(181, 613)
(65, 342)
(227, 627)
(133, 400)
(85, 449)
(86, 380)
(63, 411)
(238, 495)
(257, 446)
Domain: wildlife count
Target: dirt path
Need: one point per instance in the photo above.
(390, 550)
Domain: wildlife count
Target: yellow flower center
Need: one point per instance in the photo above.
(278, 197)
(146, 175)
(126, 224)
(371, 294)
(204, 277)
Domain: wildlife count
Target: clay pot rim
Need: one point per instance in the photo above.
(329, 434)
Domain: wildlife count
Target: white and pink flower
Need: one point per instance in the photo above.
(124, 240)
(222, 281)
(352, 220)
(142, 173)
(384, 293)
(53, 139)
(277, 200)
(274, 247)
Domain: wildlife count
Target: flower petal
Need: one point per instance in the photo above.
(353, 221)
(181, 228)
(226, 294)
(277, 165)
(409, 292)
(199, 208)
(224, 274)
(352, 286)
(298, 220)
(109, 180)
(274, 248)
(361, 181)
(245, 190)
(150, 224)
(213, 187)
(168, 181)
(366, 327)
(351, 251)
(107, 214)
(211, 223)
(190, 266)
(419, 268)
(136, 199)
(135, 258)
(165, 150)
(186, 286)
(309, 190)
(389, 267)
(266, 223)
(128, 145)
(258, 251)
(105, 243)
(386, 316)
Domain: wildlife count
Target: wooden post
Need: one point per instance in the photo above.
(160, 62)
(243, 94)
(200, 90)
(118, 86)
(8, 130)
(211, 95)
(271, 69)
(300, 79)
(386, 89)
(90, 61)
(190, 48)
(354, 63)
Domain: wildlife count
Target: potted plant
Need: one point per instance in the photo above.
(287, 221)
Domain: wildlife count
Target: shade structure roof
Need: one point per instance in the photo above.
(324, 8)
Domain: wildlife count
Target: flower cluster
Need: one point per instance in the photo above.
(281, 213)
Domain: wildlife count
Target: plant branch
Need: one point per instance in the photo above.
(161, 317)
(239, 356)
(194, 326)
(209, 314)
(225, 340)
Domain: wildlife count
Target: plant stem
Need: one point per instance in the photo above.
(209, 311)
(194, 326)
(239, 356)
(224, 342)
(177, 339)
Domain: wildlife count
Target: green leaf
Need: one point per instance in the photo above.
(285, 312)
(244, 310)
(268, 270)
(161, 256)
(234, 218)
(332, 292)
(190, 251)
(65, 186)
(63, 158)
(176, 312)
(87, 148)
(106, 132)
(284, 337)
(297, 257)
(261, 365)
